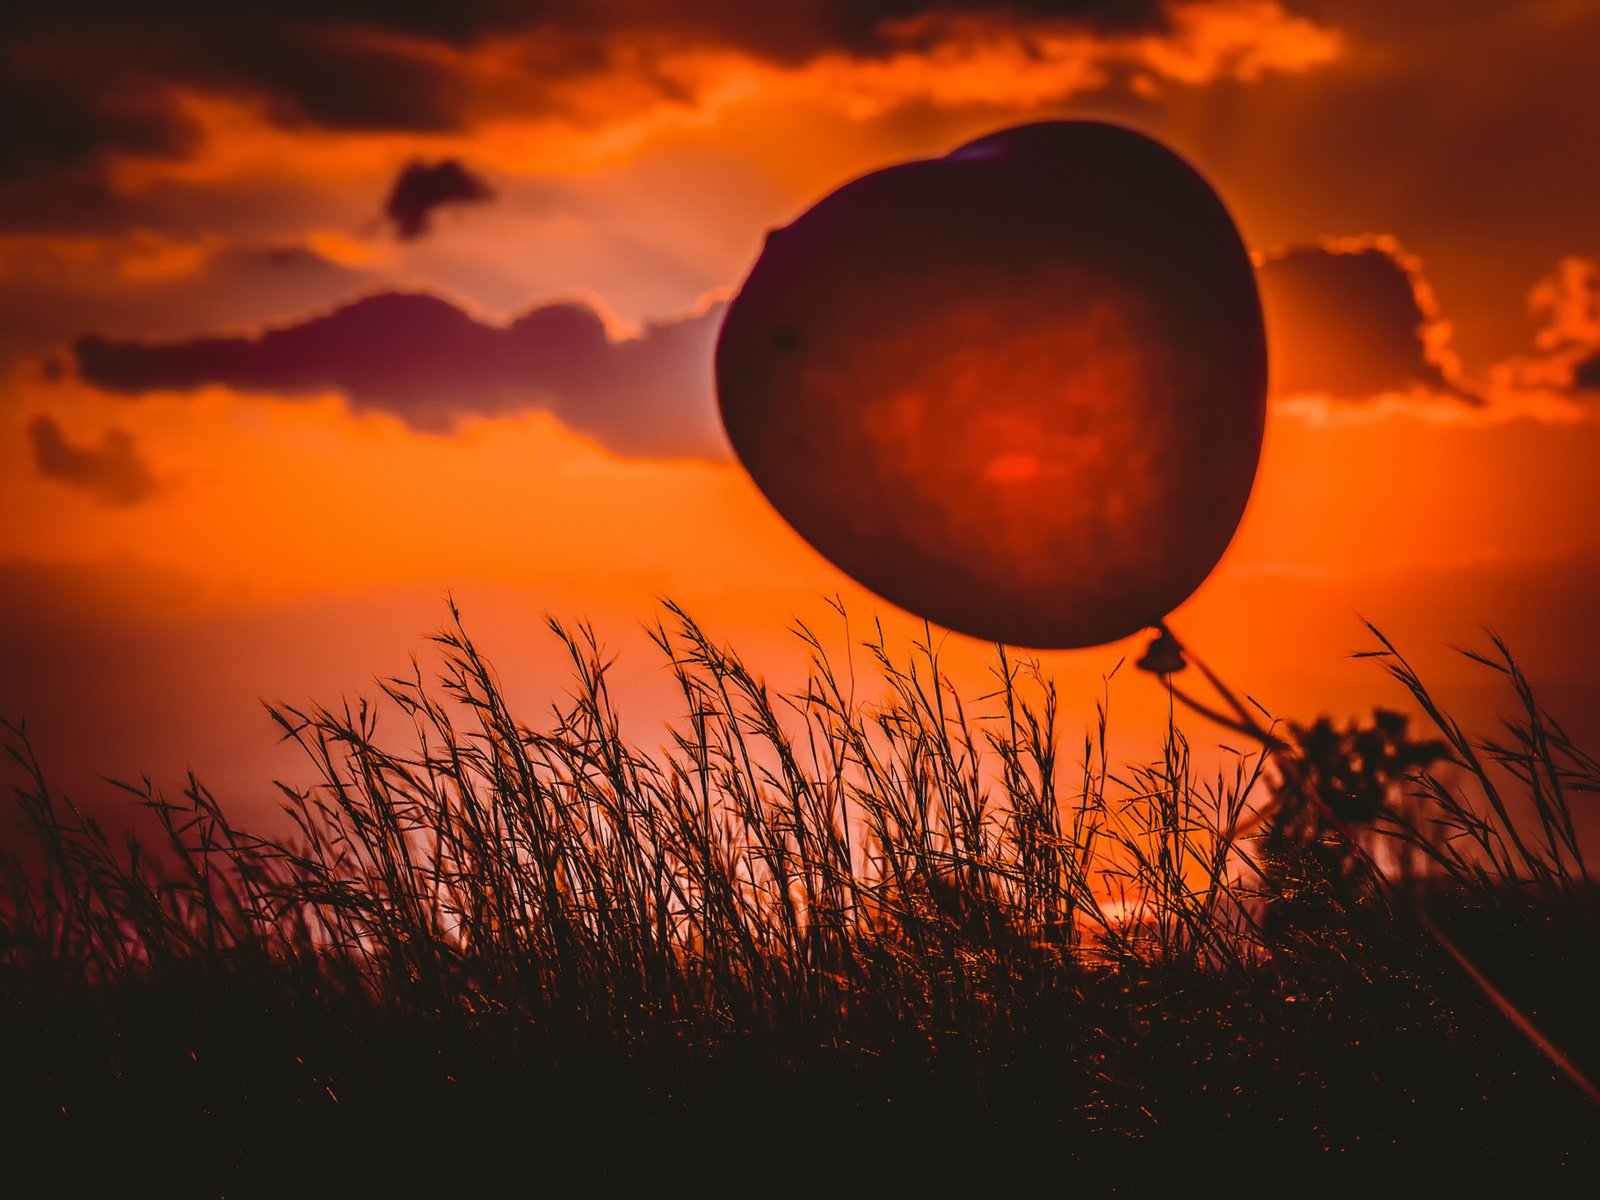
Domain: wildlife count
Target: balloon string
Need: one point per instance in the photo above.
(1244, 723)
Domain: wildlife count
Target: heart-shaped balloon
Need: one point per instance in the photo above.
(1018, 390)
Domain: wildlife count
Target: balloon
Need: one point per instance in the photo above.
(1018, 390)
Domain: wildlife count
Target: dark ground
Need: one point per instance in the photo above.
(240, 1079)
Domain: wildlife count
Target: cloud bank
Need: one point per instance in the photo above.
(1351, 320)
(420, 358)
(96, 79)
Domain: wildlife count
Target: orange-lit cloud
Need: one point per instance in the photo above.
(1568, 306)
(1355, 319)
(1244, 40)
(1358, 337)
(1568, 302)
(963, 59)
(540, 93)
(1565, 364)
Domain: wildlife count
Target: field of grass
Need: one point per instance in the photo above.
(870, 936)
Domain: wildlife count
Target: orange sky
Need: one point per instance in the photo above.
(192, 526)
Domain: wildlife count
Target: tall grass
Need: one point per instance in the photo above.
(782, 858)
(864, 868)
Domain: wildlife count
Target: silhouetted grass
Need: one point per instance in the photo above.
(865, 935)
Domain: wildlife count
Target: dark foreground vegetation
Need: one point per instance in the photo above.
(815, 944)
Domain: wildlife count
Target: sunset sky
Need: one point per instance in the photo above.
(313, 317)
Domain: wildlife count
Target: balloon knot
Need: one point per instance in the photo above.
(1164, 655)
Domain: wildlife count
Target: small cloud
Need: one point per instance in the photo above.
(114, 472)
(1567, 306)
(1586, 374)
(424, 187)
(1355, 319)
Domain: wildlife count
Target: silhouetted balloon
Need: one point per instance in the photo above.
(1018, 390)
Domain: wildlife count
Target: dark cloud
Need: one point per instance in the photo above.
(1586, 374)
(72, 91)
(113, 472)
(429, 363)
(795, 31)
(792, 30)
(84, 77)
(1351, 321)
(423, 187)
(50, 128)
